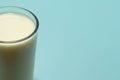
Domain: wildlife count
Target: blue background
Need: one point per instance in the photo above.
(77, 39)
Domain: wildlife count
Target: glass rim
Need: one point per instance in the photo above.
(30, 35)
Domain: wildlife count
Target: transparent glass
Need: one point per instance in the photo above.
(17, 57)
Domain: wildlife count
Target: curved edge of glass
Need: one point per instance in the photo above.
(36, 26)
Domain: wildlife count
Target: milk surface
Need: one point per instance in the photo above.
(16, 59)
(15, 26)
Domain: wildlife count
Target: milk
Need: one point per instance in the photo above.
(16, 53)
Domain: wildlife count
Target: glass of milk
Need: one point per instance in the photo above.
(18, 34)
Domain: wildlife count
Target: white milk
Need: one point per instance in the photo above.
(16, 59)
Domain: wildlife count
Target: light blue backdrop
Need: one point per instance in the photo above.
(78, 39)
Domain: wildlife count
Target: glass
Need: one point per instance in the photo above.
(17, 57)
